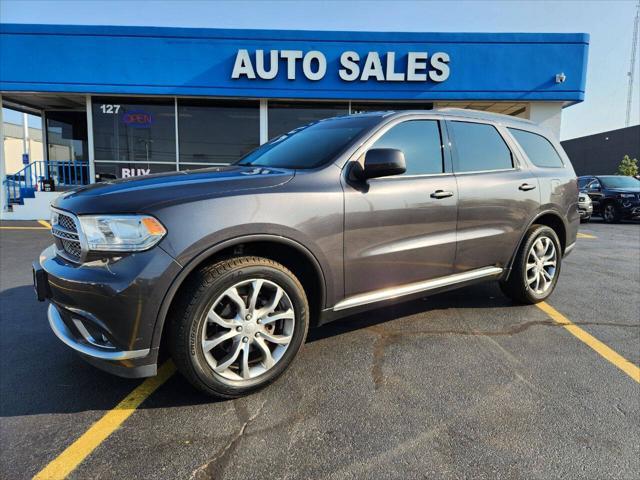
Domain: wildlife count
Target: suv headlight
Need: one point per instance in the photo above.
(121, 233)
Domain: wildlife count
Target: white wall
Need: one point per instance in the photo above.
(33, 209)
(547, 115)
(13, 150)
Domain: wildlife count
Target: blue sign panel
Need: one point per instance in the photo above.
(293, 64)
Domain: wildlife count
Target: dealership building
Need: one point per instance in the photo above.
(126, 101)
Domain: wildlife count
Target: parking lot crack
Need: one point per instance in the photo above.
(513, 330)
(608, 324)
(215, 467)
(377, 361)
(385, 337)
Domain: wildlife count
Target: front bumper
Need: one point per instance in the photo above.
(585, 211)
(88, 346)
(107, 311)
(629, 208)
(633, 212)
(117, 362)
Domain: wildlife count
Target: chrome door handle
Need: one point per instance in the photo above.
(441, 194)
(526, 187)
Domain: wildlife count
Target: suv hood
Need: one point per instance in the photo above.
(139, 194)
(624, 190)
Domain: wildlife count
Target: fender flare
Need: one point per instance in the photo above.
(212, 250)
(524, 233)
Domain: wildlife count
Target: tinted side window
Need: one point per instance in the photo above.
(420, 142)
(538, 149)
(582, 182)
(479, 147)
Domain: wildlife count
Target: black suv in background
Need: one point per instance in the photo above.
(230, 266)
(614, 197)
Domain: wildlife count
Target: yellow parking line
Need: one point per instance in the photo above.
(612, 356)
(585, 235)
(44, 223)
(75, 453)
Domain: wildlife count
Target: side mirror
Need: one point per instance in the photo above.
(382, 162)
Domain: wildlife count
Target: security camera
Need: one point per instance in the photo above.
(560, 77)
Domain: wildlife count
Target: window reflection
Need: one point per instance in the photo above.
(67, 136)
(286, 116)
(360, 107)
(135, 130)
(106, 171)
(216, 131)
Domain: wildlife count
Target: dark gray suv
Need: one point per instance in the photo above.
(228, 267)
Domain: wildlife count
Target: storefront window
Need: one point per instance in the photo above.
(106, 171)
(67, 136)
(285, 116)
(134, 130)
(213, 132)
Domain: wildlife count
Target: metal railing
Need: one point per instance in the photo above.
(58, 174)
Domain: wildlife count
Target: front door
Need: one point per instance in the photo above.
(401, 229)
(594, 190)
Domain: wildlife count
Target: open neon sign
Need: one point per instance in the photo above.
(138, 119)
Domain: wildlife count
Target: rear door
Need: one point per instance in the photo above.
(401, 229)
(497, 195)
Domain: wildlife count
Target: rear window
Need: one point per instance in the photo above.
(479, 147)
(538, 149)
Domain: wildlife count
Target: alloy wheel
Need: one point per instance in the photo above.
(609, 213)
(541, 265)
(248, 329)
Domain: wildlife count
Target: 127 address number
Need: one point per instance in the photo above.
(113, 109)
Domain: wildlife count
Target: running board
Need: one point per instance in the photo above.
(408, 289)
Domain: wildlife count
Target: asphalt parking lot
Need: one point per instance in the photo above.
(459, 385)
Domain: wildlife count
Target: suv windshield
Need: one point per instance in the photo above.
(615, 181)
(310, 146)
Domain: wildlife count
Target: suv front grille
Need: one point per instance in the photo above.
(65, 221)
(72, 248)
(65, 233)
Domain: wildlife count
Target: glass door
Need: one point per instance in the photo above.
(67, 146)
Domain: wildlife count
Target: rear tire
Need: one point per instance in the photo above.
(237, 325)
(536, 267)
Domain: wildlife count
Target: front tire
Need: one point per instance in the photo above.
(536, 267)
(585, 219)
(237, 325)
(610, 213)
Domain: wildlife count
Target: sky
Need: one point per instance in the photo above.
(609, 23)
